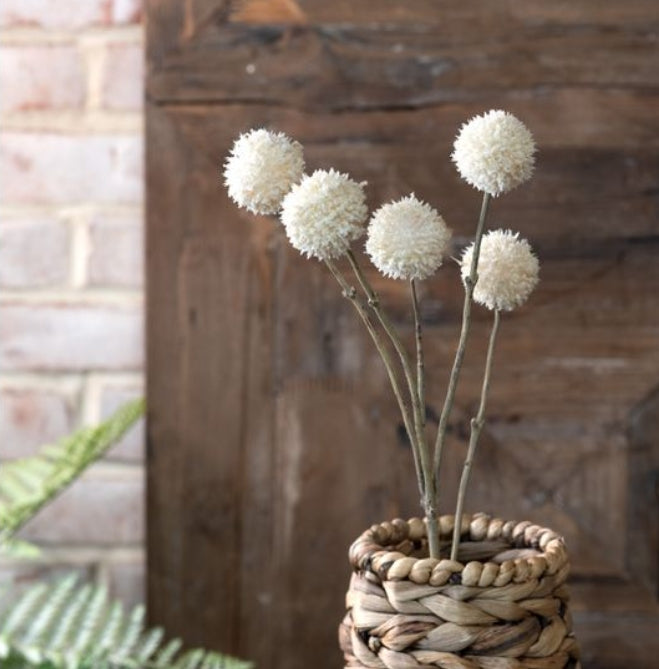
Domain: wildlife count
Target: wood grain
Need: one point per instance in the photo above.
(273, 436)
(616, 643)
(392, 58)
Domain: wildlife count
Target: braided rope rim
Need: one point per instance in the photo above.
(385, 552)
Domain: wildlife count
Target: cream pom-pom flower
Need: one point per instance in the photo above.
(407, 239)
(261, 168)
(494, 152)
(324, 213)
(507, 270)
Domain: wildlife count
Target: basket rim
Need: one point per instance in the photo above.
(382, 552)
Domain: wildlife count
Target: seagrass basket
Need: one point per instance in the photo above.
(504, 605)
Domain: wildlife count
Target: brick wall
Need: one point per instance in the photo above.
(71, 198)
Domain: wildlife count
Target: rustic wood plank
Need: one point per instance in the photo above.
(337, 467)
(199, 396)
(221, 467)
(258, 446)
(617, 642)
(305, 355)
(346, 66)
(612, 596)
(459, 14)
(643, 480)
(565, 205)
(273, 436)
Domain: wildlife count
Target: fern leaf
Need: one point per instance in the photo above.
(15, 549)
(109, 634)
(46, 617)
(27, 484)
(67, 616)
(70, 626)
(168, 653)
(191, 660)
(149, 644)
(91, 620)
(24, 610)
(131, 635)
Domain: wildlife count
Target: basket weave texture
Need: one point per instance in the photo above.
(504, 605)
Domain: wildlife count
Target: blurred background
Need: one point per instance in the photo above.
(273, 439)
(71, 268)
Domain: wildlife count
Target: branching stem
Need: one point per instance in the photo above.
(374, 303)
(432, 519)
(420, 382)
(477, 424)
(351, 294)
(470, 284)
(429, 498)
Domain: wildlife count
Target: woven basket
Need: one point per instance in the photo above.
(503, 606)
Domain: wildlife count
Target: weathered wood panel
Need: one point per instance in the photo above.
(273, 521)
(372, 57)
(273, 437)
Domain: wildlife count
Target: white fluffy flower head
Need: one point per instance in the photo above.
(507, 270)
(407, 239)
(494, 152)
(261, 168)
(324, 213)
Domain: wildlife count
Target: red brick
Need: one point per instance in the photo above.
(103, 508)
(51, 168)
(40, 77)
(30, 418)
(123, 77)
(70, 336)
(127, 581)
(34, 252)
(60, 14)
(131, 447)
(68, 14)
(117, 250)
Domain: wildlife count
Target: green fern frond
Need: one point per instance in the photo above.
(68, 626)
(16, 549)
(28, 484)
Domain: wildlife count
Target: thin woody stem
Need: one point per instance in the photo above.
(432, 519)
(420, 383)
(424, 455)
(470, 284)
(374, 303)
(477, 424)
(351, 294)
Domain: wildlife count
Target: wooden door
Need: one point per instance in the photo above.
(273, 437)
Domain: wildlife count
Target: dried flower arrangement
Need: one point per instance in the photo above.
(325, 212)
(500, 600)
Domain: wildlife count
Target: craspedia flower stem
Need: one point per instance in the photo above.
(418, 334)
(430, 497)
(449, 400)
(476, 426)
(374, 302)
(351, 294)
(418, 410)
